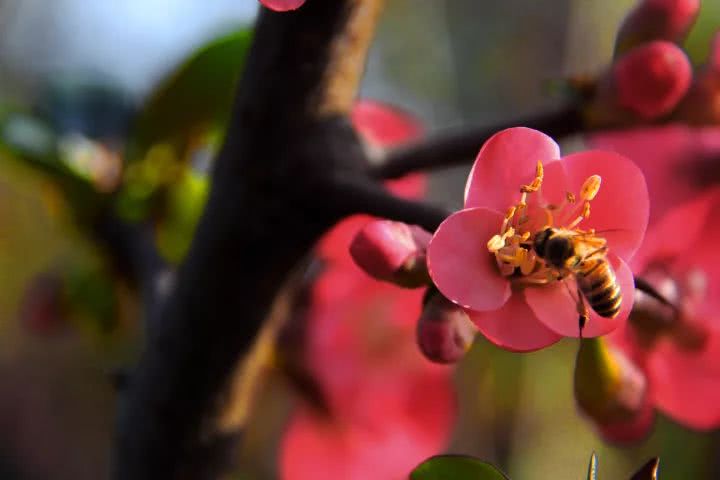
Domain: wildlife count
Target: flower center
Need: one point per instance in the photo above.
(677, 320)
(538, 245)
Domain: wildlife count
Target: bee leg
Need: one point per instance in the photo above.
(584, 314)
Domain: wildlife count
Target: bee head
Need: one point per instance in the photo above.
(540, 242)
(554, 248)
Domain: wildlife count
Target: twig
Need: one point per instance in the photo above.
(460, 146)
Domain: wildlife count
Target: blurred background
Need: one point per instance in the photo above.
(76, 80)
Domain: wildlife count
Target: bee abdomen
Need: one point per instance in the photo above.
(600, 287)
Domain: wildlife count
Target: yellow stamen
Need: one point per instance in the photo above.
(591, 187)
(537, 181)
(495, 243)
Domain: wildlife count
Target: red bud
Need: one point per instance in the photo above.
(651, 79)
(444, 332)
(656, 20)
(701, 106)
(393, 252)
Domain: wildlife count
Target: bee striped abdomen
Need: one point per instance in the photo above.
(598, 283)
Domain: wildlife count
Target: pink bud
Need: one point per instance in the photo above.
(393, 252)
(651, 79)
(282, 5)
(656, 20)
(629, 430)
(609, 388)
(701, 106)
(444, 331)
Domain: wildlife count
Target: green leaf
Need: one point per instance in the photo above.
(649, 471)
(456, 467)
(197, 96)
(592, 467)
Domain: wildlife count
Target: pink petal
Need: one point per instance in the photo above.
(506, 162)
(459, 262)
(668, 156)
(315, 449)
(282, 5)
(554, 306)
(383, 124)
(514, 327)
(620, 209)
(686, 384)
(677, 232)
(703, 257)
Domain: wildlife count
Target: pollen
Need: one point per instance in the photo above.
(512, 246)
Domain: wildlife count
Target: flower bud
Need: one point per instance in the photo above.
(701, 106)
(444, 331)
(656, 20)
(611, 390)
(282, 5)
(651, 79)
(393, 252)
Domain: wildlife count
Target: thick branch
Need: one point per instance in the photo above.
(460, 146)
(264, 213)
(359, 194)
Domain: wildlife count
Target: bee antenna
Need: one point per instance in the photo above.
(582, 320)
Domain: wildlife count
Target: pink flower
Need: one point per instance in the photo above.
(657, 20)
(680, 350)
(673, 158)
(282, 5)
(390, 407)
(484, 259)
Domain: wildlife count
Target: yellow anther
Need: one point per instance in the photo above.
(495, 243)
(510, 213)
(509, 232)
(537, 181)
(525, 236)
(590, 187)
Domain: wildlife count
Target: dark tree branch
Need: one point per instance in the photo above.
(358, 195)
(460, 146)
(287, 140)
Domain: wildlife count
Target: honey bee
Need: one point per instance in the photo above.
(584, 256)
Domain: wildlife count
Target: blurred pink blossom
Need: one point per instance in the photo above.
(680, 349)
(389, 407)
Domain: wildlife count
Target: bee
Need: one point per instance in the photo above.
(584, 256)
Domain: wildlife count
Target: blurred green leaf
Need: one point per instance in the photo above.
(649, 471)
(456, 467)
(592, 468)
(198, 95)
(184, 204)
